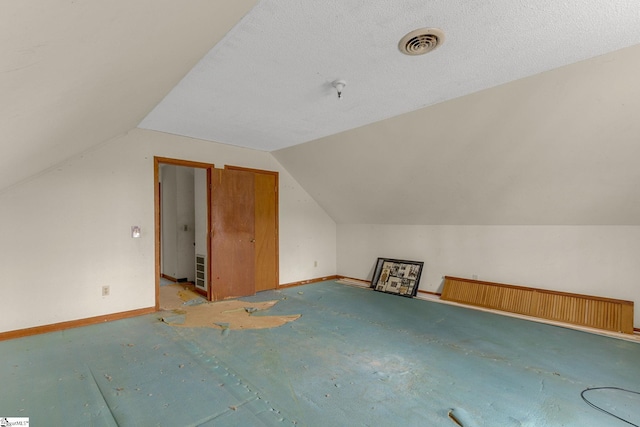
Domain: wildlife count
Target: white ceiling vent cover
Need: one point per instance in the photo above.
(419, 42)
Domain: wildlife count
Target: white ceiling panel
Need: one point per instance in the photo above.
(267, 84)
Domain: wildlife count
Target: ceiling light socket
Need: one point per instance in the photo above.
(339, 85)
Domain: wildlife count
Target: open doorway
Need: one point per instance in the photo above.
(178, 223)
(182, 224)
(223, 237)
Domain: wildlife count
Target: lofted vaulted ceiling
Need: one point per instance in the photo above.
(268, 83)
(76, 73)
(526, 114)
(558, 148)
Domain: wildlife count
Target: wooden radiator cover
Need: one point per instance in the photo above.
(584, 310)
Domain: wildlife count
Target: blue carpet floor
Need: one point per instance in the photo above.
(354, 358)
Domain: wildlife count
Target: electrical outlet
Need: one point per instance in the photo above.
(105, 291)
(474, 277)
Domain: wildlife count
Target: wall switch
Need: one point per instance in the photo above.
(135, 231)
(105, 291)
(315, 263)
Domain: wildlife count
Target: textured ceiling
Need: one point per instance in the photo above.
(267, 83)
(77, 73)
(403, 146)
(557, 148)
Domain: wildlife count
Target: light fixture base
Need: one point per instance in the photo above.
(339, 85)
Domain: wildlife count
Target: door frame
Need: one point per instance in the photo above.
(158, 226)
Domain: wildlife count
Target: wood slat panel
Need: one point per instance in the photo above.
(585, 310)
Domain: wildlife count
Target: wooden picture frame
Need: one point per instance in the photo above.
(396, 276)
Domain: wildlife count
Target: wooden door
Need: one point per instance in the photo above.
(233, 234)
(266, 227)
(266, 208)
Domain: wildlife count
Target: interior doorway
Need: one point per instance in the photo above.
(182, 221)
(236, 250)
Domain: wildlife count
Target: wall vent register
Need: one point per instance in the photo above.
(201, 272)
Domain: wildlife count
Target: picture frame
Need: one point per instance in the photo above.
(397, 276)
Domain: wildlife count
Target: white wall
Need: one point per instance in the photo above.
(66, 232)
(307, 235)
(178, 222)
(168, 235)
(185, 225)
(200, 207)
(594, 260)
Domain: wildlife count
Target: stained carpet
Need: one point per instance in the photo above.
(354, 357)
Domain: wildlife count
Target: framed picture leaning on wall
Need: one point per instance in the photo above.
(396, 276)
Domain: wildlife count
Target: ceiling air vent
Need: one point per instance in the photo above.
(419, 42)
